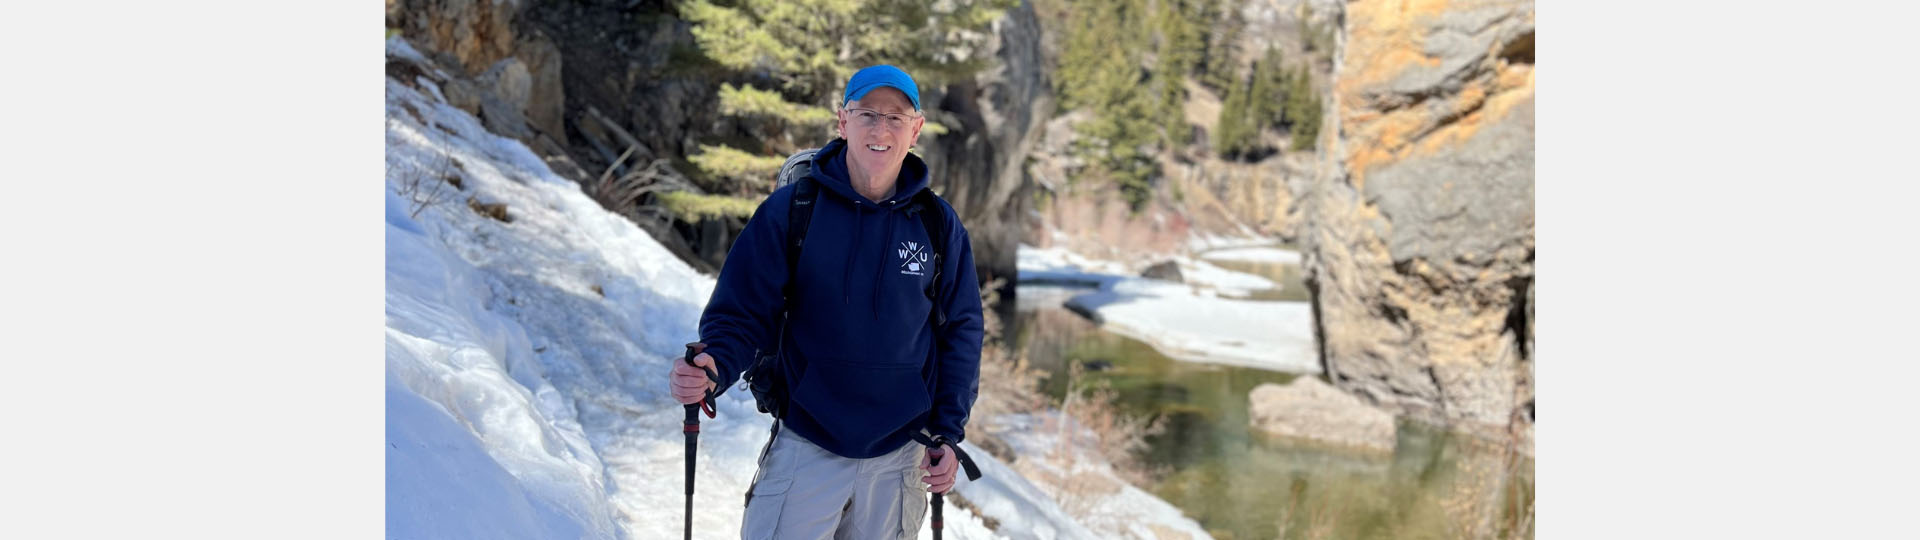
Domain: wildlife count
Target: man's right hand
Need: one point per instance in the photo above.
(688, 383)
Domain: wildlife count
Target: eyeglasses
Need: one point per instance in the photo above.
(867, 118)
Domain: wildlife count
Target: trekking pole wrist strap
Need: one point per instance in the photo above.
(966, 461)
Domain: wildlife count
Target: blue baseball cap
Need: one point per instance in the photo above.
(866, 80)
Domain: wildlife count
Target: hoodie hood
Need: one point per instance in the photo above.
(830, 168)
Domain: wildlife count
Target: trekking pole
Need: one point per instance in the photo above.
(938, 500)
(966, 462)
(692, 428)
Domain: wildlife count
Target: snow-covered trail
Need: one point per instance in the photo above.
(500, 325)
(521, 401)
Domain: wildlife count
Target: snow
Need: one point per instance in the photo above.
(525, 362)
(1184, 321)
(1024, 511)
(1057, 266)
(1219, 280)
(1200, 242)
(1261, 254)
(1069, 468)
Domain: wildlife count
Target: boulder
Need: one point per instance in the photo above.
(1417, 227)
(506, 89)
(1311, 409)
(509, 81)
(545, 105)
(1164, 271)
(497, 97)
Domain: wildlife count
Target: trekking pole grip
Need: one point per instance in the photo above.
(705, 404)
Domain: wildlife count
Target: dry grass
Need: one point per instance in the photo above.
(428, 185)
(497, 211)
(623, 194)
(1007, 383)
(1119, 437)
(1099, 427)
(1302, 520)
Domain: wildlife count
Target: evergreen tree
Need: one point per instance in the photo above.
(1271, 96)
(804, 50)
(1223, 45)
(1303, 111)
(1232, 131)
(1181, 47)
(1266, 94)
(1101, 70)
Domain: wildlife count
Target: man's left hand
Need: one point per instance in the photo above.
(939, 477)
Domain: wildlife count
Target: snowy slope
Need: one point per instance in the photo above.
(524, 403)
(521, 401)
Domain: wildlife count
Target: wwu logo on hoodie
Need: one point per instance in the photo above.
(913, 258)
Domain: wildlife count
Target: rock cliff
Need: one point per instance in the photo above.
(982, 161)
(1418, 226)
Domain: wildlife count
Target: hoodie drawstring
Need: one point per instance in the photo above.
(859, 230)
(879, 269)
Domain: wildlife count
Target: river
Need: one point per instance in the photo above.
(1241, 484)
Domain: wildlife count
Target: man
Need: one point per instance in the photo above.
(870, 360)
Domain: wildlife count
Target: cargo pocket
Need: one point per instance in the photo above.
(769, 492)
(913, 502)
(763, 508)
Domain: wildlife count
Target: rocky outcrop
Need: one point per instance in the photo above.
(1418, 229)
(546, 102)
(996, 119)
(1310, 409)
(506, 75)
(473, 33)
(1226, 197)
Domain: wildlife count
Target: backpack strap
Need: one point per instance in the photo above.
(927, 207)
(798, 170)
(806, 192)
(800, 208)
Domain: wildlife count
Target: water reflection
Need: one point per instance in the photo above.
(1240, 483)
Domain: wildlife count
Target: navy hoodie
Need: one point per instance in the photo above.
(867, 365)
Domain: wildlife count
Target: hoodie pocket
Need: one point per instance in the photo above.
(862, 401)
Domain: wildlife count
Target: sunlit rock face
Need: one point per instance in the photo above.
(1418, 225)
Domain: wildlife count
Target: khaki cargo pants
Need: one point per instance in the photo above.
(805, 492)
